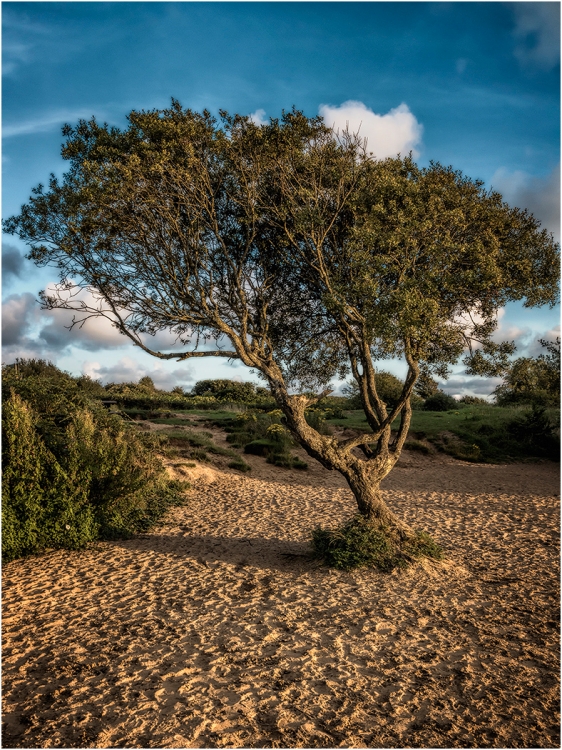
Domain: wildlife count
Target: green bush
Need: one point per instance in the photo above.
(535, 433)
(226, 390)
(261, 447)
(73, 472)
(239, 465)
(316, 418)
(474, 401)
(440, 402)
(359, 544)
(533, 380)
(42, 504)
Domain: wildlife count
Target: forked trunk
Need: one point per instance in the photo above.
(363, 477)
(372, 506)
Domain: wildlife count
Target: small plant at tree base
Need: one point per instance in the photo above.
(359, 543)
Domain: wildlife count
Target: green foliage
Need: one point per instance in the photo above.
(239, 465)
(389, 388)
(230, 391)
(72, 471)
(407, 254)
(535, 433)
(425, 385)
(440, 402)
(359, 543)
(142, 397)
(533, 381)
(260, 447)
(479, 432)
(317, 418)
(42, 504)
(199, 440)
(473, 401)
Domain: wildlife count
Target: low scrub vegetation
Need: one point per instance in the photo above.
(263, 434)
(360, 544)
(72, 471)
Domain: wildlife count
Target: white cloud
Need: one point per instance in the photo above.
(540, 195)
(459, 386)
(536, 347)
(129, 370)
(258, 117)
(396, 132)
(537, 33)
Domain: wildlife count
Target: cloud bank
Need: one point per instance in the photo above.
(129, 370)
(13, 263)
(397, 132)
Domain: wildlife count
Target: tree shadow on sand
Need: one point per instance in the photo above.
(257, 552)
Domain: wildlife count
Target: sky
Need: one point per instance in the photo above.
(473, 85)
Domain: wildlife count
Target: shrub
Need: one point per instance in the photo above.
(200, 455)
(239, 465)
(533, 380)
(42, 505)
(226, 390)
(261, 447)
(535, 433)
(359, 544)
(389, 388)
(316, 418)
(440, 402)
(474, 401)
(298, 464)
(72, 471)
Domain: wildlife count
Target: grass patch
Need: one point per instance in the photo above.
(197, 440)
(480, 432)
(359, 544)
(239, 465)
(417, 445)
(175, 421)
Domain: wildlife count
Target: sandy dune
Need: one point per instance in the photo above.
(216, 630)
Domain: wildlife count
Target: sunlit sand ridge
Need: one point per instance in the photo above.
(216, 630)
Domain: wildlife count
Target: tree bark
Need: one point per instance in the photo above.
(365, 486)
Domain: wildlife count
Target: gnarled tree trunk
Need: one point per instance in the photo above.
(363, 475)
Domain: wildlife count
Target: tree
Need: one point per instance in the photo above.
(425, 385)
(225, 390)
(389, 389)
(292, 247)
(533, 380)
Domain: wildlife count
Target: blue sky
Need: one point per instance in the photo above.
(475, 85)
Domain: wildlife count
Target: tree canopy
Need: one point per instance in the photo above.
(287, 246)
(533, 379)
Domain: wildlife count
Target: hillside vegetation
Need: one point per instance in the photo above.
(79, 467)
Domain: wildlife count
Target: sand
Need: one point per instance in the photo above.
(217, 630)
